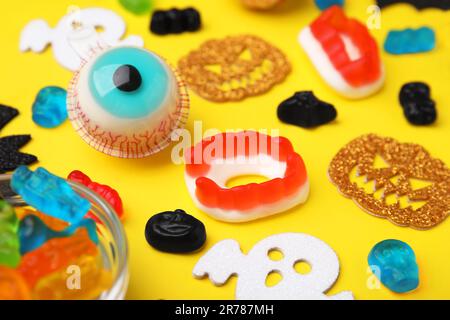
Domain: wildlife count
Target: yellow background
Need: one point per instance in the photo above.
(153, 185)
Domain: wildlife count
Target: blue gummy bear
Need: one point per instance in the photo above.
(50, 107)
(410, 41)
(325, 4)
(33, 232)
(394, 264)
(49, 194)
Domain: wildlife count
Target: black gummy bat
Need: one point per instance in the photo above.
(419, 4)
(10, 156)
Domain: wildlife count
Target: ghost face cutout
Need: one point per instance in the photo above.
(37, 35)
(405, 165)
(226, 259)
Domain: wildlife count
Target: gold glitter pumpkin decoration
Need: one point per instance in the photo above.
(405, 162)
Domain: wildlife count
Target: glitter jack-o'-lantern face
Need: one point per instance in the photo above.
(420, 206)
(234, 68)
(126, 102)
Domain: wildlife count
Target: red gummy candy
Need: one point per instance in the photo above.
(106, 192)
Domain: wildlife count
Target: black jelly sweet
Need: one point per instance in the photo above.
(419, 4)
(6, 115)
(175, 232)
(305, 110)
(175, 21)
(418, 107)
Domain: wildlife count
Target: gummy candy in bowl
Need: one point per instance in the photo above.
(72, 267)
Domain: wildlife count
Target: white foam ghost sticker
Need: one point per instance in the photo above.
(226, 259)
(37, 35)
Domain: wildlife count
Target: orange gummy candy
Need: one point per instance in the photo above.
(54, 255)
(85, 279)
(12, 285)
(52, 223)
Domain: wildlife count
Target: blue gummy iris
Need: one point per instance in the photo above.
(135, 104)
(33, 232)
(50, 107)
(394, 264)
(410, 41)
(325, 4)
(49, 194)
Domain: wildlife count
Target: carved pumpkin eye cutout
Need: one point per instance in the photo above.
(397, 181)
(234, 68)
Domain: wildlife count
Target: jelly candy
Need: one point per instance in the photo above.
(55, 255)
(52, 223)
(106, 192)
(410, 41)
(215, 160)
(418, 107)
(394, 263)
(175, 232)
(10, 157)
(344, 53)
(325, 4)
(175, 21)
(50, 107)
(12, 285)
(93, 280)
(33, 232)
(49, 194)
(137, 6)
(305, 110)
(6, 115)
(9, 239)
(419, 4)
(100, 96)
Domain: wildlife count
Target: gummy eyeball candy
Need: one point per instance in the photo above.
(394, 263)
(126, 102)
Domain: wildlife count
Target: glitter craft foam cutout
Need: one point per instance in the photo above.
(214, 161)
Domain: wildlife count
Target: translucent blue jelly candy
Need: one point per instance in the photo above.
(394, 264)
(50, 107)
(410, 41)
(33, 232)
(49, 194)
(325, 4)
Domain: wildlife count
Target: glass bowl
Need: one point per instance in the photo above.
(112, 245)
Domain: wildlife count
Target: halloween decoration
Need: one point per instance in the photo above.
(303, 109)
(252, 270)
(37, 35)
(261, 4)
(126, 102)
(344, 53)
(405, 163)
(234, 68)
(214, 161)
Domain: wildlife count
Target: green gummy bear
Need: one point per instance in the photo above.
(137, 6)
(9, 238)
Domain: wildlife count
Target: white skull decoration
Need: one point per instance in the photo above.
(226, 259)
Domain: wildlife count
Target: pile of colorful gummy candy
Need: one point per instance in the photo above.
(49, 249)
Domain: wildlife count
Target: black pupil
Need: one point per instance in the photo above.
(127, 78)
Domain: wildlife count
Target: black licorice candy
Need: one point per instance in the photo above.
(175, 232)
(419, 4)
(418, 107)
(305, 110)
(175, 21)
